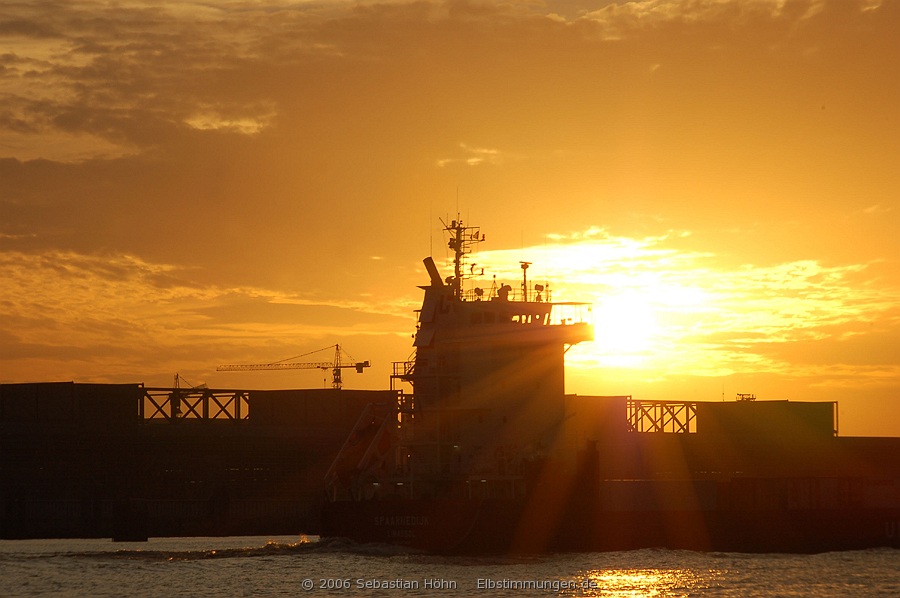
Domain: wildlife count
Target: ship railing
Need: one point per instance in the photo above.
(513, 294)
(403, 369)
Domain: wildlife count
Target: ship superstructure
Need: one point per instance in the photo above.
(488, 378)
(488, 387)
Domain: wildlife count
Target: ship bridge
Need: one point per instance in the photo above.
(533, 315)
(523, 316)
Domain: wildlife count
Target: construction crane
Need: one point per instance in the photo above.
(289, 364)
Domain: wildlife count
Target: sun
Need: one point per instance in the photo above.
(625, 328)
(647, 300)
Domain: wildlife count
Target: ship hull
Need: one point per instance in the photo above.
(496, 526)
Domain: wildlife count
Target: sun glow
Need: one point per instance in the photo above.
(641, 320)
(660, 310)
(641, 292)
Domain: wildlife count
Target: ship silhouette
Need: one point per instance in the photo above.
(487, 453)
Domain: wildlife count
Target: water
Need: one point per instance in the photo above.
(290, 566)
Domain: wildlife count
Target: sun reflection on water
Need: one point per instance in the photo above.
(645, 582)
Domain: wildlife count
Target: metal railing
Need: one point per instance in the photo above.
(674, 417)
(173, 404)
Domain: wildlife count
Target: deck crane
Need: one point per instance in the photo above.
(289, 364)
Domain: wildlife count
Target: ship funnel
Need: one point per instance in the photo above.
(436, 280)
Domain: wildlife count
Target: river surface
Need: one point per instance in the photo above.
(298, 566)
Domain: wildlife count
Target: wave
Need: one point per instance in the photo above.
(305, 545)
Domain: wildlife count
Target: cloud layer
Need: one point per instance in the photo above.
(179, 180)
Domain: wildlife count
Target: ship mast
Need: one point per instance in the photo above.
(462, 238)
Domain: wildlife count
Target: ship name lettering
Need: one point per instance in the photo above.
(401, 520)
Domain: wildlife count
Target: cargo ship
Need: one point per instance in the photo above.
(481, 449)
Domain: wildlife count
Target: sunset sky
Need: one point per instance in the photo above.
(187, 184)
